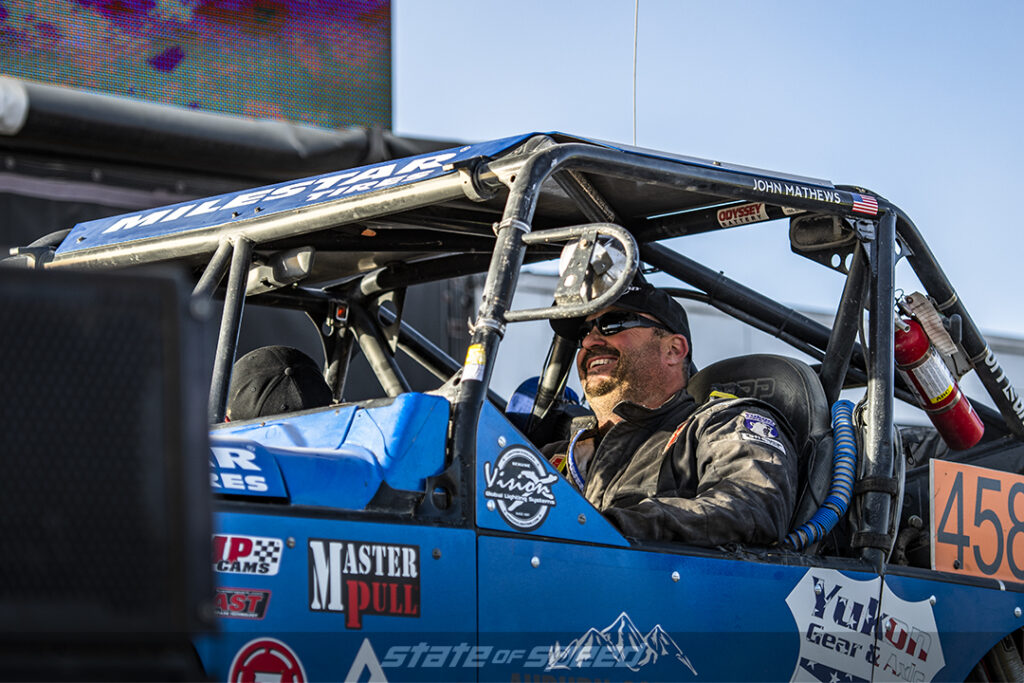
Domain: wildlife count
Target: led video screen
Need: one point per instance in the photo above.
(319, 62)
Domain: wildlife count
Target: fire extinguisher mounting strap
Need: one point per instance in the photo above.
(876, 485)
(866, 539)
(947, 408)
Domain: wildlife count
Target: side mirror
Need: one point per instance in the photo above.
(588, 268)
(595, 268)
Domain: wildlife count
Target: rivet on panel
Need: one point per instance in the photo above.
(501, 442)
(490, 505)
(582, 519)
(535, 562)
(675, 576)
(932, 600)
(436, 553)
(1016, 611)
(290, 541)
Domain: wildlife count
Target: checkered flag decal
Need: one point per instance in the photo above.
(268, 550)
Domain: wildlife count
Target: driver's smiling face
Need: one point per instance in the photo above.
(625, 362)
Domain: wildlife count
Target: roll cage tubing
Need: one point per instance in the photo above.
(507, 260)
(870, 279)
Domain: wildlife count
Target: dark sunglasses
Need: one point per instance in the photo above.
(614, 322)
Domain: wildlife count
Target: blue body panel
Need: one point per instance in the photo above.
(391, 583)
(542, 588)
(239, 467)
(338, 457)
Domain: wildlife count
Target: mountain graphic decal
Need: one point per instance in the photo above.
(620, 643)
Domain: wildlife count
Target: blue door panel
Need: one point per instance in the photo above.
(969, 621)
(618, 614)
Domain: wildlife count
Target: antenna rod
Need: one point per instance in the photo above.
(636, 24)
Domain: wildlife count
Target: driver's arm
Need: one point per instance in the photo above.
(731, 481)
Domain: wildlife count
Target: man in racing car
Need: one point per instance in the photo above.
(656, 464)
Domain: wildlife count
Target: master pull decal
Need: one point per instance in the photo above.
(360, 578)
(847, 636)
(520, 486)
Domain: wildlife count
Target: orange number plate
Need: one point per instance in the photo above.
(977, 521)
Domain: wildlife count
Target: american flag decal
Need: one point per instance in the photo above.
(864, 203)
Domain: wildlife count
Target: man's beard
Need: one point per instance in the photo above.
(632, 371)
(602, 385)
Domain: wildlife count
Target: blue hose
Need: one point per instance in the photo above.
(844, 467)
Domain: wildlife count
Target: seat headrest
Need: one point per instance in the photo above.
(788, 385)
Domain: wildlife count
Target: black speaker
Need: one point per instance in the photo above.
(105, 511)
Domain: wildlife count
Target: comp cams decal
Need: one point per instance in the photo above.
(359, 578)
(247, 554)
(241, 603)
(847, 636)
(266, 659)
(620, 644)
(518, 484)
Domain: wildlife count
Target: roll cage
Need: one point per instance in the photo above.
(490, 208)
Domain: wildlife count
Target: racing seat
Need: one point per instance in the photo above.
(792, 388)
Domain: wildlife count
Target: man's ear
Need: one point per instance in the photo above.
(676, 349)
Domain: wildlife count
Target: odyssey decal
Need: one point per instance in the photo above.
(520, 486)
(845, 635)
(620, 644)
(247, 554)
(266, 659)
(241, 603)
(739, 215)
(364, 578)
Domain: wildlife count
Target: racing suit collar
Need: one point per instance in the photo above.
(636, 413)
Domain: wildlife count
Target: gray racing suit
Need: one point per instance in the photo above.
(724, 472)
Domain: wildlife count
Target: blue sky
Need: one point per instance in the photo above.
(919, 101)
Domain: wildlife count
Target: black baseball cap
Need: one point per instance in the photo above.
(275, 379)
(640, 297)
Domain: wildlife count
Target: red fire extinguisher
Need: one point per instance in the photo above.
(937, 391)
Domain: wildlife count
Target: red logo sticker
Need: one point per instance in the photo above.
(266, 659)
(242, 603)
